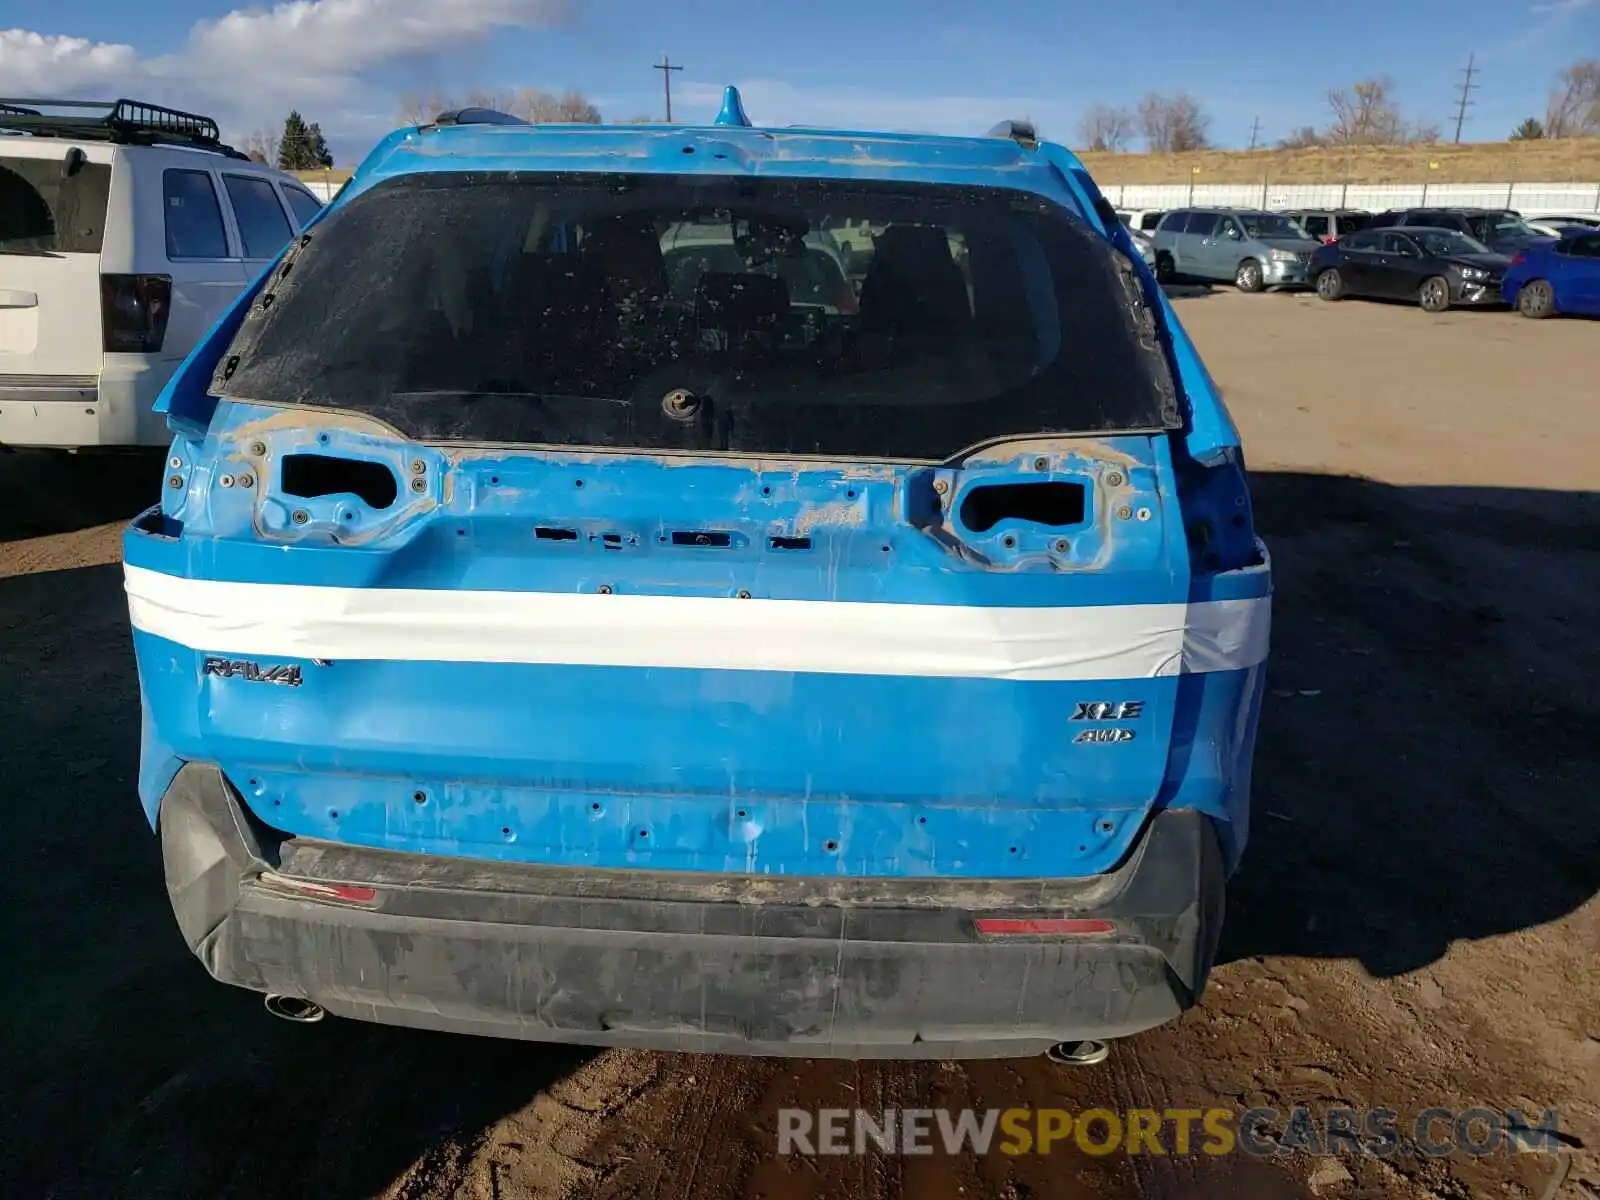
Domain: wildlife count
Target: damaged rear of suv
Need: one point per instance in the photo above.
(577, 611)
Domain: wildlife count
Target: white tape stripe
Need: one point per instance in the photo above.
(268, 620)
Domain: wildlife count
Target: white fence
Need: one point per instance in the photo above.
(1531, 199)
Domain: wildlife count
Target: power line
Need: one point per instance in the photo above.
(1467, 85)
(1255, 128)
(666, 66)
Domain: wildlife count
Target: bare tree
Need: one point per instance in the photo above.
(1303, 139)
(530, 104)
(1173, 124)
(1574, 109)
(1105, 128)
(261, 146)
(1366, 114)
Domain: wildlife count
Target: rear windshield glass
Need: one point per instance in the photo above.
(52, 205)
(778, 316)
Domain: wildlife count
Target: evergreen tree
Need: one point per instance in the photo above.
(302, 148)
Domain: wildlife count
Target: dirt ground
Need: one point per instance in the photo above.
(1415, 923)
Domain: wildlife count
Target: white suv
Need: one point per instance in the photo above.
(126, 230)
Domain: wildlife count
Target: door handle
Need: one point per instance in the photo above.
(16, 299)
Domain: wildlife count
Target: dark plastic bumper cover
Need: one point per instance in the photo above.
(856, 968)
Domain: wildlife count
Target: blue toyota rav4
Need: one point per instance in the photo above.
(589, 602)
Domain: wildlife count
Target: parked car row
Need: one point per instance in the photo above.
(1440, 257)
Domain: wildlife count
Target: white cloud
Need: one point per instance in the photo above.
(776, 103)
(250, 66)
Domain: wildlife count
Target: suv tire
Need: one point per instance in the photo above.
(1248, 277)
(1165, 271)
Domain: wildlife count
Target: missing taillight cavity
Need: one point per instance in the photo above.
(789, 543)
(312, 475)
(549, 533)
(1053, 504)
(133, 312)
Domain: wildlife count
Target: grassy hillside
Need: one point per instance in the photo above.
(1565, 160)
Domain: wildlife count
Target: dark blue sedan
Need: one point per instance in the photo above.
(1559, 277)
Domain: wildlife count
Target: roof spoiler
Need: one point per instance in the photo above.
(1022, 132)
(477, 116)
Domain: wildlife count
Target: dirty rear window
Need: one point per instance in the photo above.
(52, 205)
(773, 316)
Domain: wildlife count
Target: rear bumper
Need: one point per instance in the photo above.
(853, 968)
(114, 408)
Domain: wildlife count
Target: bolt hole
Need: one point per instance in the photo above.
(349, 516)
(850, 494)
(1008, 542)
(744, 593)
(644, 833)
(323, 438)
(1082, 849)
(742, 813)
(604, 589)
(1040, 464)
(277, 804)
(420, 797)
(494, 481)
(505, 831)
(830, 845)
(922, 820)
(595, 807)
(577, 483)
(688, 149)
(885, 549)
(461, 533)
(1011, 850)
(766, 491)
(333, 814)
(255, 783)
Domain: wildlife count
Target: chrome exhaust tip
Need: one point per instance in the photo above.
(294, 1008)
(1079, 1054)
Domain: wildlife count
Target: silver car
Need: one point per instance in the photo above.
(1254, 249)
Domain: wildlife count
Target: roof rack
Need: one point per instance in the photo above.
(124, 122)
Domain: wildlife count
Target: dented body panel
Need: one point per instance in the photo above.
(375, 660)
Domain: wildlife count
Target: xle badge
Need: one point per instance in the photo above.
(1101, 737)
(1108, 710)
(241, 668)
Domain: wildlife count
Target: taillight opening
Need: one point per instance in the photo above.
(133, 312)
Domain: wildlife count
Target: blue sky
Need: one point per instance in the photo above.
(901, 64)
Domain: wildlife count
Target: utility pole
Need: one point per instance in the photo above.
(666, 66)
(1466, 88)
(1255, 128)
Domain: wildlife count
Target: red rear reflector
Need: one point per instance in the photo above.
(1517, 261)
(1041, 926)
(346, 893)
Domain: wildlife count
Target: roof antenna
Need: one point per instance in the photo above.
(732, 109)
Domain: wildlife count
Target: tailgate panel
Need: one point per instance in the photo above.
(723, 665)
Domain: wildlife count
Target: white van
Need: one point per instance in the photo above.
(125, 231)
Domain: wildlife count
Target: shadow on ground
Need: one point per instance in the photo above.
(1429, 765)
(44, 492)
(1426, 772)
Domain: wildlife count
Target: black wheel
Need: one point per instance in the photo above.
(1434, 294)
(1165, 273)
(1330, 284)
(1248, 277)
(1536, 299)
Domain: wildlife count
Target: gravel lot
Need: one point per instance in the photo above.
(1416, 922)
